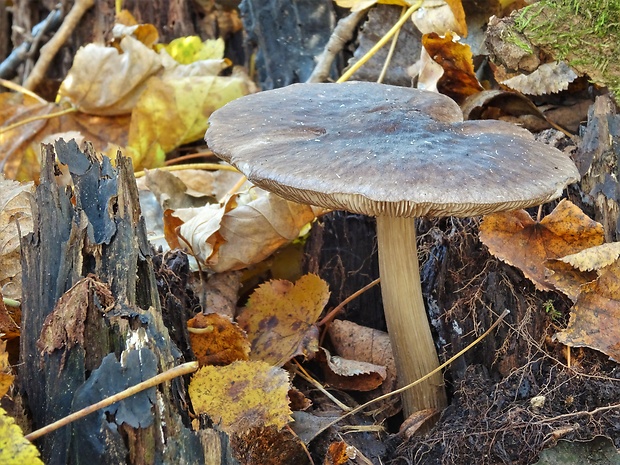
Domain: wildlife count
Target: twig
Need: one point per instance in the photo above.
(167, 375)
(17, 88)
(415, 383)
(384, 40)
(192, 166)
(388, 58)
(37, 118)
(332, 314)
(8, 68)
(49, 50)
(343, 33)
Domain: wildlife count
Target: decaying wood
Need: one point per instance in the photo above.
(96, 230)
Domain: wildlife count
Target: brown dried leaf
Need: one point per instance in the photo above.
(6, 377)
(350, 375)
(515, 238)
(14, 208)
(279, 318)
(441, 16)
(567, 279)
(216, 340)
(459, 78)
(269, 446)
(9, 321)
(64, 327)
(233, 236)
(339, 453)
(222, 291)
(242, 395)
(104, 81)
(547, 79)
(595, 317)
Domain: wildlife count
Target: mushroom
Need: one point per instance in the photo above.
(397, 154)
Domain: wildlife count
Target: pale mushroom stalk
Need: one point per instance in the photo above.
(405, 313)
(396, 154)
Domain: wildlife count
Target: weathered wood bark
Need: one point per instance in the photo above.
(96, 229)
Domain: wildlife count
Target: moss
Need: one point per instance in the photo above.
(584, 33)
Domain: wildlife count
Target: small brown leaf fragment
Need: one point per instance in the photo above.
(515, 238)
(216, 340)
(6, 377)
(595, 317)
(9, 327)
(414, 422)
(279, 318)
(298, 400)
(222, 291)
(64, 327)
(242, 395)
(350, 375)
(338, 453)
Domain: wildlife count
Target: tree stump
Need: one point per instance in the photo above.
(92, 323)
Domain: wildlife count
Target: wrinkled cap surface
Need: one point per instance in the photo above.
(384, 150)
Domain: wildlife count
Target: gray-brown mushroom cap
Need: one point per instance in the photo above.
(383, 150)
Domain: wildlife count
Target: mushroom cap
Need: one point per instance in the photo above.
(384, 150)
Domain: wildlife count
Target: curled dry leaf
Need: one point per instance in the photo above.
(351, 375)
(216, 340)
(242, 395)
(104, 81)
(6, 377)
(14, 209)
(441, 16)
(515, 238)
(233, 236)
(594, 258)
(279, 318)
(595, 317)
(458, 79)
(222, 291)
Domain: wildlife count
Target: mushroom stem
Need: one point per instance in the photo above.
(407, 322)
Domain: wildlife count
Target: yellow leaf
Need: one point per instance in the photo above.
(279, 318)
(242, 395)
(594, 258)
(358, 5)
(14, 448)
(173, 112)
(216, 340)
(187, 50)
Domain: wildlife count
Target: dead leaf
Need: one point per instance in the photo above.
(9, 321)
(6, 377)
(350, 375)
(173, 112)
(595, 317)
(594, 258)
(269, 446)
(216, 340)
(441, 17)
(566, 279)
(234, 236)
(279, 318)
(15, 209)
(104, 81)
(15, 449)
(339, 453)
(458, 80)
(515, 238)
(356, 342)
(64, 327)
(222, 291)
(548, 78)
(414, 422)
(242, 395)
